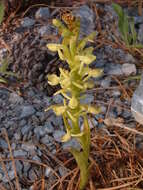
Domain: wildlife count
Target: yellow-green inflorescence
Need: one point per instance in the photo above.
(74, 84)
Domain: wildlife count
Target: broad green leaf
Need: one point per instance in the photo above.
(2, 8)
(53, 79)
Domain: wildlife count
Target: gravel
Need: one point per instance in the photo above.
(27, 22)
(43, 14)
(27, 111)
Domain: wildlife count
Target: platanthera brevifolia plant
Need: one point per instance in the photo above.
(74, 84)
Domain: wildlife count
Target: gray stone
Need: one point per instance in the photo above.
(3, 144)
(18, 166)
(27, 111)
(22, 122)
(26, 129)
(63, 171)
(27, 22)
(86, 16)
(43, 14)
(128, 69)
(58, 121)
(19, 153)
(113, 69)
(105, 83)
(45, 30)
(47, 171)
(29, 148)
(46, 140)
(11, 175)
(89, 98)
(15, 98)
(129, 58)
(36, 158)
(58, 135)
(71, 144)
(26, 167)
(116, 93)
(48, 127)
(58, 99)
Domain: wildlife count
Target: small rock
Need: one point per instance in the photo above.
(58, 121)
(27, 111)
(63, 171)
(88, 99)
(22, 122)
(86, 18)
(46, 140)
(71, 144)
(3, 144)
(3, 54)
(45, 30)
(27, 22)
(43, 13)
(129, 58)
(15, 98)
(105, 83)
(113, 69)
(48, 128)
(29, 148)
(47, 171)
(19, 153)
(128, 69)
(25, 130)
(58, 99)
(116, 93)
(58, 135)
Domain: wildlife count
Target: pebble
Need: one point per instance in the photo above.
(27, 111)
(25, 129)
(113, 69)
(15, 98)
(71, 144)
(27, 22)
(58, 135)
(88, 99)
(116, 93)
(19, 153)
(48, 128)
(128, 69)
(86, 16)
(47, 171)
(129, 58)
(105, 83)
(43, 14)
(63, 171)
(45, 30)
(3, 144)
(58, 99)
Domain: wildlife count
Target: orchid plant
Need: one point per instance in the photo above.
(74, 84)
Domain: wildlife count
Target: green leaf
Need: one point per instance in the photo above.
(2, 8)
(133, 31)
(118, 9)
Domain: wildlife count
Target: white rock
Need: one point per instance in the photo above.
(128, 69)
